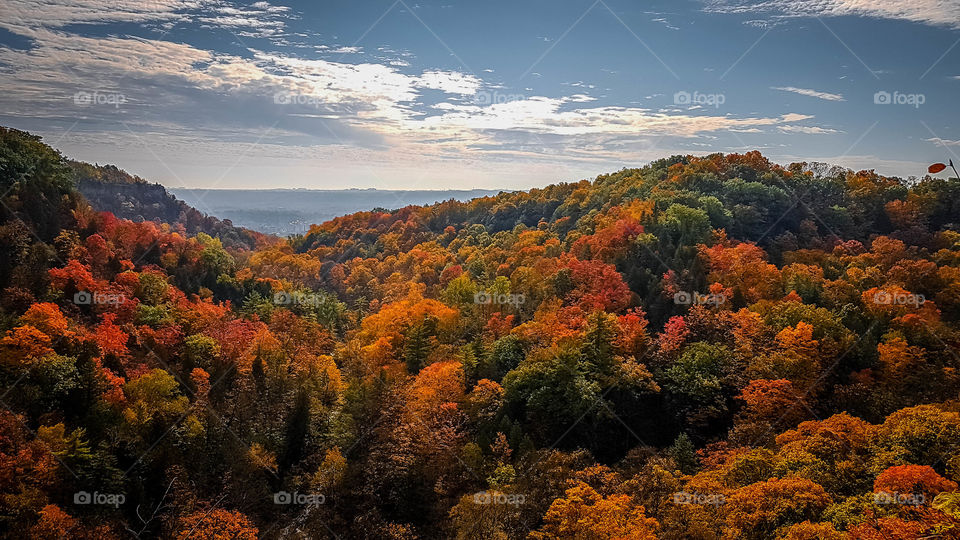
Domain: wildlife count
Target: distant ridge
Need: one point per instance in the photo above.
(291, 211)
(110, 189)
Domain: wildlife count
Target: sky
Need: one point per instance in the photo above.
(407, 94)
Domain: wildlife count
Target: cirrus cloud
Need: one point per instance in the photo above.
(811, 93)
(931, 12)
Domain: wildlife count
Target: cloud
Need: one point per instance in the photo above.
(339, 50)
(162, 81)
(811, 93)
(260, 19)
(794, 117)
(810, 130)
(23, 16)
(943, 142)
(665, 22)
(931, 12)
(451, 82)
(543, 115)
(375, 109)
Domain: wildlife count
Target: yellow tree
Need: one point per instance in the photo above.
(584, 513)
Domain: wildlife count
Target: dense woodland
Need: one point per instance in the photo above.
(705, 347)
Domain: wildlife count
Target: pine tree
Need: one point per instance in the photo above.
(683, 454)
(416, 347)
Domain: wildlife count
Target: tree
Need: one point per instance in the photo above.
(760, 509)
(697, 383)
(584, 513)
(296, 431)
(913, 479)
(598, 343)
(773, 402)
(417, 344)
(153, 398)
(53, 524)
(504, 355)
(216, 524)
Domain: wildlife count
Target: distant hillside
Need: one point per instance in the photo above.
(111, 189)
(291, 211)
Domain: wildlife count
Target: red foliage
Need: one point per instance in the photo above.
(916, 479)
(674, 335)
(598, 286)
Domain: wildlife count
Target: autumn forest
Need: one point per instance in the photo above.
(713, 347)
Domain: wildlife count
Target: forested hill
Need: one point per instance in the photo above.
(110, 189)
(650, 224)
(710, 347)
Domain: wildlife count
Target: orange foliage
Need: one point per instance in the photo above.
(772, 401)
(47, 318)
(53, 524)
(216, 524)
(888, 528)
(763, 507)
(584, 513)
(110, 338)
(915, 479)
(23, 345)
(743, 268)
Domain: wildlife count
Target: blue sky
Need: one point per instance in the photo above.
(516, 94)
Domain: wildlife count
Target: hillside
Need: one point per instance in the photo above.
(704, 347)
(110, 189)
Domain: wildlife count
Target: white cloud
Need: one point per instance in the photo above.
(943, 142)
(542, 115)
(339, 50)
(451, 82)
(810, 130)
(794, 117)
(665, 22)
(811, 93)
(932, 12)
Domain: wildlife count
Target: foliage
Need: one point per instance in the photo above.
(676, 351)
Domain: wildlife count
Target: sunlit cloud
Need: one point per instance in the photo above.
(811, 93)
(932, 12)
